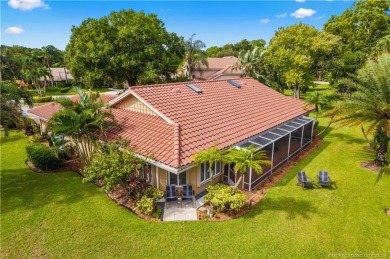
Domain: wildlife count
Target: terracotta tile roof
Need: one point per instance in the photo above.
(148, 135)
(219, 63)
(47, 110)
(221, 114)
(221, 66)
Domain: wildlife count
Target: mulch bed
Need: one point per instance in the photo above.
(370, 165)
(120, 196)
(256, 196)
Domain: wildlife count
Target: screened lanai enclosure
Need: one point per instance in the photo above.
(281, 144)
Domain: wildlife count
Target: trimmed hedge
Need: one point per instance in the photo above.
(42, 156)
(44, 99)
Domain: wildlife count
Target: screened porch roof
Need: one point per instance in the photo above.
(272, 135)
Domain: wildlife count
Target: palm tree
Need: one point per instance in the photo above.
(45, 53)
(80, 120)
(44, 73)
(318, 100)
(370, 104)
(210, 156)
(10, 109)
(251, 62)
(246, 158)
(195, 56)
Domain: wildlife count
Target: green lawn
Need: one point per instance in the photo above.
(56, 215)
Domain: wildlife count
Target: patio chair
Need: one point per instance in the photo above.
(304, 181)
(324, 179)
(188, 194)
(170, 194)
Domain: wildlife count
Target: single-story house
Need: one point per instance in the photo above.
(172, 122)
(217, 69)
(59, 74)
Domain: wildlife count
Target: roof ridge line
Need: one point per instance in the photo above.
(154, 109)
(176, 144)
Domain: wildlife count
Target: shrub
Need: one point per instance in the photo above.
(35, 138)
(30, 127)
(52, 89)
(65, 90)
(42, 156)
(153, 192)
(43, 99)
(221, 198)
(146, 205)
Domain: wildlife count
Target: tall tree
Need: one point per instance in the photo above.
(370, 104)
(80, 120)
(195, 56)
(359, 27)
(246, 158)
(293, 56)
(10, 101)
(122, 47)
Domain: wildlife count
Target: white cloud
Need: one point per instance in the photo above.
(264, 21)
(302, 13)
(320, 17)
(300, 1)
(14, 30)
(27, 5)
(282, 15)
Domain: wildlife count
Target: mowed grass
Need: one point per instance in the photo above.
(57, 216)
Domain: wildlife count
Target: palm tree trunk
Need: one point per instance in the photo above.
(50, 75)
(381, 153)
(66, 76)
(237, 184)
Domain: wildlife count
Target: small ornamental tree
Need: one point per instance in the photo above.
(246, 158)
(80, 120)
(210, 156)
(113, 164)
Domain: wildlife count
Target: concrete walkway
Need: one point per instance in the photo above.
(183, 213)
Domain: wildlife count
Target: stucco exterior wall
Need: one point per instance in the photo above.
(193, 179)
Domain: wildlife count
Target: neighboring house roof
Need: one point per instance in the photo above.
(58, 74)
(221, 66)
(188, 122)
(47, 110)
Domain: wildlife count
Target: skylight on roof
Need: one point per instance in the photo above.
(234, 83)
(194, 88)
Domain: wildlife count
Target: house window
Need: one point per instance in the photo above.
(204, 171)
(177, 179)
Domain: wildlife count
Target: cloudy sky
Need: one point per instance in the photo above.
(37, 23)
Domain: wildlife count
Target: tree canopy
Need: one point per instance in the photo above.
(235, 49)
(125, 46)
(360, 27)
(295, 54)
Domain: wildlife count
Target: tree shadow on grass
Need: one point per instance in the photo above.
(347, 138)
(293, 207)
(22, 189)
